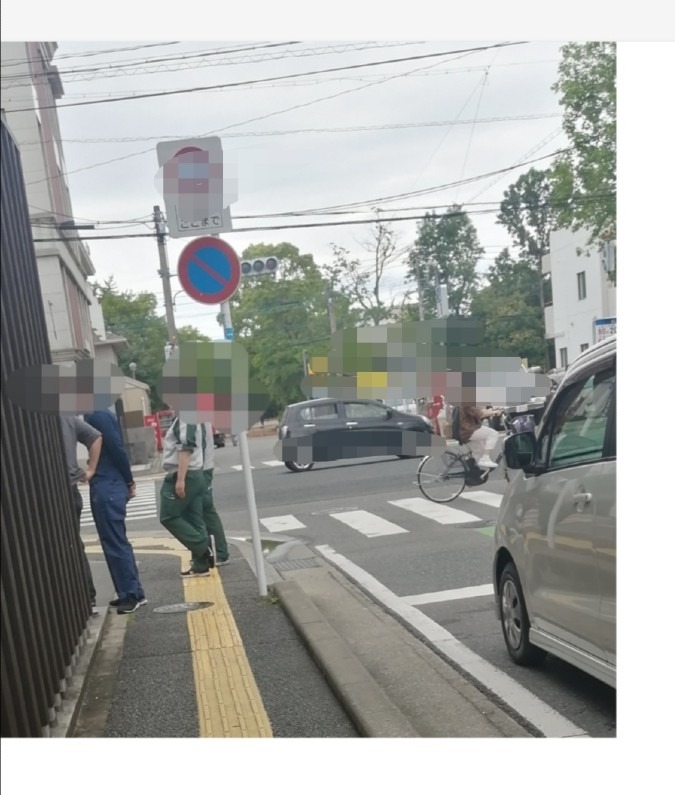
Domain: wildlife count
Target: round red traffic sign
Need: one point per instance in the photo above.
(209, 270)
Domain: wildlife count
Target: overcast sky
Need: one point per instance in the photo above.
(481, 97)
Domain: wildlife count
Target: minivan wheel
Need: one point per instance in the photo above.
(515, 621)
(298, 467)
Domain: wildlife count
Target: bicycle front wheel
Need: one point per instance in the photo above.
(441, 478)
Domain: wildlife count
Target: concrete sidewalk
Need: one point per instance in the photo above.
(316, 658)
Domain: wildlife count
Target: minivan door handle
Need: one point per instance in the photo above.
(583, 496)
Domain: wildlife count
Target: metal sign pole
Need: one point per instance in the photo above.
(256, 541)
(253, 514)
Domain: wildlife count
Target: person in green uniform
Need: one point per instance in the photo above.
(214, 526)
(182, 494)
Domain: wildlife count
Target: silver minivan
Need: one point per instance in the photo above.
(554, 569)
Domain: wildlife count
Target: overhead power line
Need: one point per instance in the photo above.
(17, 61)
(93, 72)
(264, 116)
(304, 130)
(197, 89)
(282, 227)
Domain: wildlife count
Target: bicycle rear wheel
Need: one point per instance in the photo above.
(441, 478)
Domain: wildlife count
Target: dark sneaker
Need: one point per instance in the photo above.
(129, 605)
(193, 573)
(223, 562)
(116, 602)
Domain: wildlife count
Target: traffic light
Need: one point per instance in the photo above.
(261, 266)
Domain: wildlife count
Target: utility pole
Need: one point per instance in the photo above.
(420, 292)
(331, 309)
(160, 232)
(437, 289)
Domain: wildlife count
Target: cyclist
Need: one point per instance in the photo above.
(481, 439)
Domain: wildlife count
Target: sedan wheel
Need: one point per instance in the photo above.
(515, 621)
(294, 467)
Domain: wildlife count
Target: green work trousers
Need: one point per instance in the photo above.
(184, 517)
(214, 526)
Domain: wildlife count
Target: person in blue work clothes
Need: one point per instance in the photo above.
(112, 486)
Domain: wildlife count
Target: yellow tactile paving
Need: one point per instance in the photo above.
(228, 699)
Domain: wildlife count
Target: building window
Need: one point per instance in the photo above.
(581, 285)
(584, 346)
(563, 357)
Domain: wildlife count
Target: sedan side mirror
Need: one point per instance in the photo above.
(390, 414)
(519, 450)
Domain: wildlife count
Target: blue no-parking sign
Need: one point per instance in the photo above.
(209, 270)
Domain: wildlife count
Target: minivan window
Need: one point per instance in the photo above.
(324, 411)
(578, 429)
(362, 410)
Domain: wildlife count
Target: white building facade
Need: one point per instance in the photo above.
(30, 87)
(583, 303)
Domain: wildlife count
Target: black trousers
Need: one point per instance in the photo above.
(87, 568)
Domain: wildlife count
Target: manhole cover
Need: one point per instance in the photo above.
(184, 607)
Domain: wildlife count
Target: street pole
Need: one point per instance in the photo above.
(331, 311)
(437, 287)
(420, 293)
(227, 320)
(256, 540)
(164, 273)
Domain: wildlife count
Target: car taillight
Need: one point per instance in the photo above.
(285, 433)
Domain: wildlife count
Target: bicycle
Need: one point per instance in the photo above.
(454, 470)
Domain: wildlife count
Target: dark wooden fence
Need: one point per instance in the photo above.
(45, 608)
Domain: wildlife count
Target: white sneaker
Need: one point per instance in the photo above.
(487, 463)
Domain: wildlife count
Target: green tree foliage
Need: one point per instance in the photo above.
(133, 316)
(508, 305)
(279, 317)
(447, 246)
(527, 214)
(585, 176)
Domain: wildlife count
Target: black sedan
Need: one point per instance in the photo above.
(327, 429)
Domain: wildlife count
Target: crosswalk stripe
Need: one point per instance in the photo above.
(442, 514)
(483, 497)
(368, 523)
(280, 524)
(449, 596)
(239, 467)
(273, 463)
(143, 505)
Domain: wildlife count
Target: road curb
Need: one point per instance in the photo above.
(373, 713)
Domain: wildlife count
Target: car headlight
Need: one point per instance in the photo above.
(428, 422)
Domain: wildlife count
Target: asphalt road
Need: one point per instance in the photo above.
(370, 515)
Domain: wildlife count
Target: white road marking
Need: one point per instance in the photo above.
(239, 467)
(550, 722)
(368, 523)
(449, 596)
(442, 514)
(143, 505)
(280, 524)
(483, 497)
(273, 463)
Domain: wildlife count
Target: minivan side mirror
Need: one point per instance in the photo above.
(519, 450)
(390, 414)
